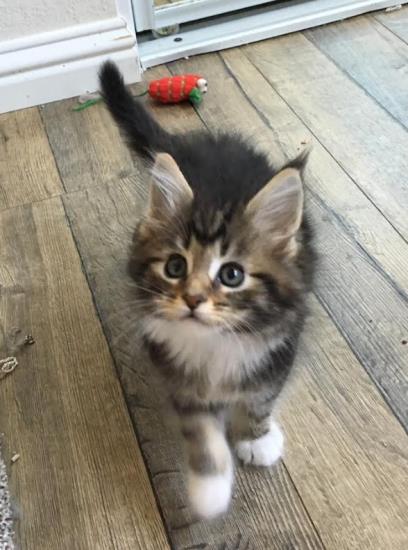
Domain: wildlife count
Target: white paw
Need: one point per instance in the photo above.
(265, 450)
(210, 495)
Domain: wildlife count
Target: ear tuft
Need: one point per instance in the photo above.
(299, 162)
(169, 189)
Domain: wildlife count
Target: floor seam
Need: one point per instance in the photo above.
(352, 79)
(342, 168)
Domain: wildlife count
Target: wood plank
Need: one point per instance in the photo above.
(80, 482)
(372, 56)
(362, 137)
(334, 413)
(266, 511)
(27, 168)
(87, 147)
(347, 454)
(396, 21)
(355, 241)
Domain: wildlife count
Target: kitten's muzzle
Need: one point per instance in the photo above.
(194, 300)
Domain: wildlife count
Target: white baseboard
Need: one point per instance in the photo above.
(65, 63)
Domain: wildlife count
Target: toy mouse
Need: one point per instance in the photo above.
(174, 89)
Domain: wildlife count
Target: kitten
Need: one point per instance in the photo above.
(222, 263)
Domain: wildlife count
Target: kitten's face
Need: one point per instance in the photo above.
(195, 282)
(227, 273)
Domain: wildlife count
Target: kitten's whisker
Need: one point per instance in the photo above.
(152, 291)
(131, 333)
(242, 323)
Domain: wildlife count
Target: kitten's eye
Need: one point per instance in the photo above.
(231, 275)
(176, 266)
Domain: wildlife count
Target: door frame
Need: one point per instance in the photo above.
(265, 23)
(148, 17)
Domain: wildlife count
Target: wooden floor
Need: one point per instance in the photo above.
(100, 464)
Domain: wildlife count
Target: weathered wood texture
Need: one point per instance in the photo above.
(346, 452)
(80, 482)
(355, 130)
(356, 242)
(396, 21)
(83, 142)
(27, 169)
(372, 56)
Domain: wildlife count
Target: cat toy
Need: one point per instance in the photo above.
(170, 89)
(175, 89)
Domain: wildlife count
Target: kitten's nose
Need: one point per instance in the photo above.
(194, 300)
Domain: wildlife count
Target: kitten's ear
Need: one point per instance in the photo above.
(277, 208)
(169, 189)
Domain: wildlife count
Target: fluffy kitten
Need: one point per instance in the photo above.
(222, 263)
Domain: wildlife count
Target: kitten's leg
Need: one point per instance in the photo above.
(210, 462)
(260, 440)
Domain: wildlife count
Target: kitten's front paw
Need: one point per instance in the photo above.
(209, 495)
(264, 451)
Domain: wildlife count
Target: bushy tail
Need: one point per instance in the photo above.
(143, 133)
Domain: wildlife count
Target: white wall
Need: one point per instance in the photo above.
(20, 18)
(53, 49)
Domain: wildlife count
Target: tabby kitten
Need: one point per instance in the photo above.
(222, 263)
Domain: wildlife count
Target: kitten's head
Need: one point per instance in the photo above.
(221, 267)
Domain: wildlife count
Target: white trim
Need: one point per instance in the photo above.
(192, 10)
(243, 30)
(61, 81)
(67, 33)
(67, 49)
(125, 11)
(65, 63)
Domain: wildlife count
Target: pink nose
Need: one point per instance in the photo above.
(194, 300)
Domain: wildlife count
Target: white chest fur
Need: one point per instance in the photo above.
(221, 356)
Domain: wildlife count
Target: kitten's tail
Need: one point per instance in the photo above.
(143, 133)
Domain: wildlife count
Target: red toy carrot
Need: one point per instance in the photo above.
(174, 89)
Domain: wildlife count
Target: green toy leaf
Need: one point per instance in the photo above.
(87, 104)
(195, 96)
